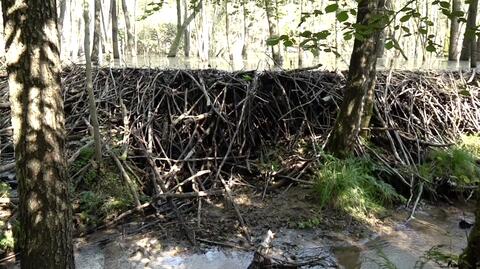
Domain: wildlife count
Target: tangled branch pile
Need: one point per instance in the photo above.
(197, 128)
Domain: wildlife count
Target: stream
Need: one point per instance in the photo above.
(403, 243)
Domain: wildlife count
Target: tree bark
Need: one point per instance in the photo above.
(227, 31)
(272, 29)
(361, 77)
(61, 18)
(382, 5)
(245, 30)
(369, 100)
(128, 25)
(470, 257)
(33, 66)
(186, 34)
(97, 32)
(91, 96)
(113, 11)
(469, 38)
(454, 32)
(172, 52)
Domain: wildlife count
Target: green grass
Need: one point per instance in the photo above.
(350, 185)
(455, 163)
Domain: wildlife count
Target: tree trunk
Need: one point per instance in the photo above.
(361, 77)
(91, 97)
(301, 28)
(130, 37)
(113, 11)
(186, 34)
(97, 32)
(382, 5)
(227, 31)
(454, 32)
(179, 15)
(369, 101)
(272, 29)
(245, 31)
(469, 31)
(61, 18)
(33, 66)
(470, 257)
(172, 52)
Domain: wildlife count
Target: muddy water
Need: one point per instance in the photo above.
(404, 243)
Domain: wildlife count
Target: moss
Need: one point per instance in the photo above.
(100, 194)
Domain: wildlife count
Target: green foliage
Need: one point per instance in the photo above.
(454, 163)
(350, 185)
(101, 193)
(7, 240)
(309, 223)
(4, 189)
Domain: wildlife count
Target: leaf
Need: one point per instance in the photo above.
(331, 8)
(389, 45)
(405, 18)
(431, 48)
(342, 16)
(288, 43)
(444, 4)
(272, 41)
(306, 34)
(465, 93)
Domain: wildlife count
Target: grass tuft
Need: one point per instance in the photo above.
(350, 185)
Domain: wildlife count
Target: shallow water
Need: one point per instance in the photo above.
(399, 243)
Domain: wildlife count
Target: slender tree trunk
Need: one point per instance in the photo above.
(469, 36)
(470, 257)
(186, 34)
(130, 37)
(300, 49)
(382, 6)
(227, 31)
(113, 11)
(33, 66)
(361, 77)
(272, 29)
(179, 15)
(91, 97)
(245, 30)
(454, 32)
(369, 102)
(97, 32)
(178, 37)
(61, 18)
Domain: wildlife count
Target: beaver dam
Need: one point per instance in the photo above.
(219, 158)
